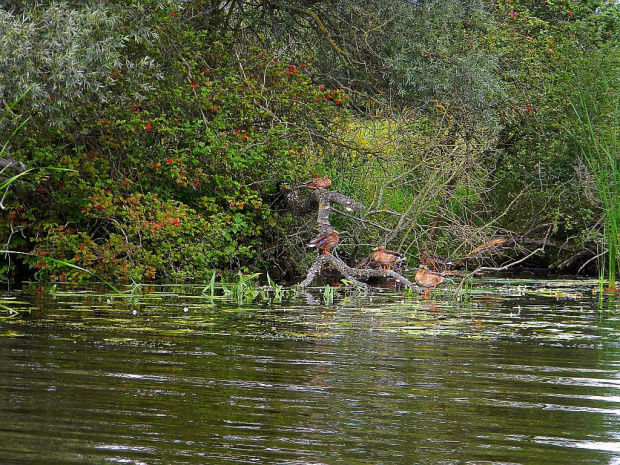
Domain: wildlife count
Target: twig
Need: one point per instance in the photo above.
(590, 260)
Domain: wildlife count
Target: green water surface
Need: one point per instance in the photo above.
(512, 372)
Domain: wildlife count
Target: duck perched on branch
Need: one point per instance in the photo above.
(435, 262)
(325, 241)
(318, 183)
(386, 258)
(428, 279)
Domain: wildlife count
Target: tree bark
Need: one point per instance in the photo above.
(13, 165)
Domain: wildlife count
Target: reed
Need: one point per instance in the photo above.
(279, 292)
(244, 290)
(328, 295)
(597, 108)
(209, 290)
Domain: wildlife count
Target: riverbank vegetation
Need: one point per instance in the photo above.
(180, 130)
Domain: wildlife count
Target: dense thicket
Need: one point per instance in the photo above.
(165, 138)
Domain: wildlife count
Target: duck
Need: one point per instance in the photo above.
(318, 183)
(435, 262)
(325, 241)
(428, 279)
(386, 258)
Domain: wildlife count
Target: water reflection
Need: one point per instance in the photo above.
(500, 377)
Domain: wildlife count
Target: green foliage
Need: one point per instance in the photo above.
(435, 53)
(65, 264)
(391, 52)
(173, 175)
(176, 137)
(543, 50)
(244, 290)
(247, 289)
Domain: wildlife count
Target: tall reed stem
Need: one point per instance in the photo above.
(598, 112)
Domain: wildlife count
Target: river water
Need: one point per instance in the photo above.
(514, 371)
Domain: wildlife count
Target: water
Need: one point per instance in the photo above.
(518, 372)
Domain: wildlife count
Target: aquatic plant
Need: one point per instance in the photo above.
(210, 288)
(278, 291)
(464, 289)
(244, 290)
(328, 294)
(247, 289)
(135, 288)
(597, 108)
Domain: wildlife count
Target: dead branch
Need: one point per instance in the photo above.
(9, 163)
(511, 264)
(354, 274)
(325, 198)
(481, 269)
(573, 260)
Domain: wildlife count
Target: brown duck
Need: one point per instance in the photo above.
(386, 258)
(428, 279)
(325, 241)
(319, 183)
(435, 262)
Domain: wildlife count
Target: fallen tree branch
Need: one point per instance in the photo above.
(491, 268)
(354, 274)
(591, 260)
(325, 198)
(510, 265)
(584, 254)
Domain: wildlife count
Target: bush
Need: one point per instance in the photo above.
(173, 175)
